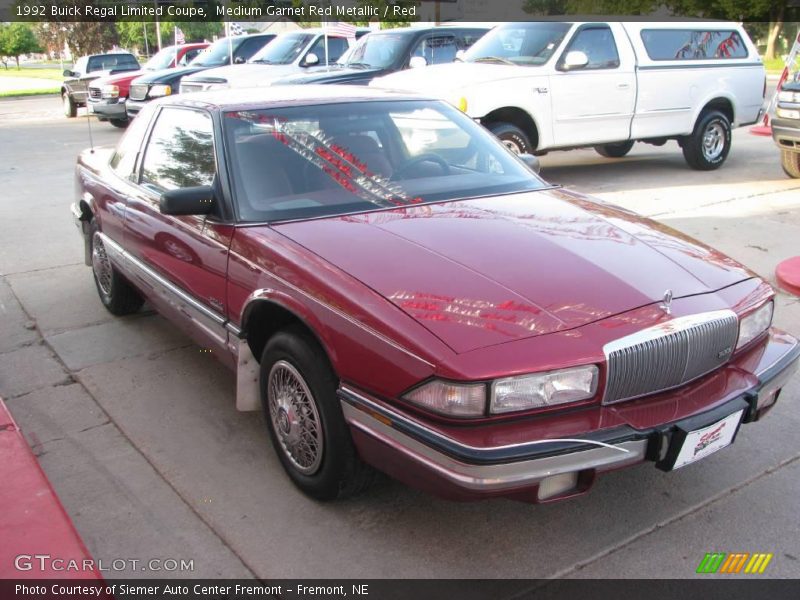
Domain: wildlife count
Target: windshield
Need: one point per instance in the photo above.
(377, 51)
(518, 44)
(283, 50)
(160, 60)
(217, 54)
(315, 161)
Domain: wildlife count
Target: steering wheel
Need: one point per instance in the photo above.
(427, 157)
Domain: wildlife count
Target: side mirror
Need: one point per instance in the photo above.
(188, 201)
(417, 61)
(575, 59)
(531, 162)
(311, 59)
(239, 60)
(68, 73)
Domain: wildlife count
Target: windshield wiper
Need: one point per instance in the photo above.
(494, 59)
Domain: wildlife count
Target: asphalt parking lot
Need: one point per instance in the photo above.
(137, 429)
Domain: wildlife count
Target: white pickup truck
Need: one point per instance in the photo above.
(542, 86)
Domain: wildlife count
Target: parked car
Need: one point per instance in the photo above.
(426, 305)
(390, 50)
(291, 52)
(543, 86)
(163, 83)
(74, 89)
(107, 95)
(786, 126)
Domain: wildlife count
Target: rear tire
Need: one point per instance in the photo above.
(304, 418)
(512, 137)
(710, 142)
(614, 150)
(117, 295)
(790, 161)
(120, 123)
(70, 108)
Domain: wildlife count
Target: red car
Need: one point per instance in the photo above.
(396, 290)
(107, 95)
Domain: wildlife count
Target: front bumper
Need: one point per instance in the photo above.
(423, 457)
(105, 109)
(133, 107)
(786, 133)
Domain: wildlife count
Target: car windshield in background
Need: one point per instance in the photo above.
(160, 60)
(109, 62)
(518, 44)
(216, 55)
(283, 49)
(335, 159)
(376, 51)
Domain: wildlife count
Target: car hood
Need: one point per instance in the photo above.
(481, 272)
(335, 75)
(165, 75)
(441, 80)
(248, 75)
(118, 78)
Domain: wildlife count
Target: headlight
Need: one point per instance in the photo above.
(543, 389)
(109, 91)
(787, 113)
(157, 91)
(754, 324)
(454, 399)
(788, 96)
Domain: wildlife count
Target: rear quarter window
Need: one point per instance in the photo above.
(693, 44)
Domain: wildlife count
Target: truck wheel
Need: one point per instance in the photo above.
(708, 145)
(614, 150)
(117, 295)
(790, 161)
(512, 137)
(121, 123)
(70, 108)
(305, 421)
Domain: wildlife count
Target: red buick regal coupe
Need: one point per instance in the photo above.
(397, 291)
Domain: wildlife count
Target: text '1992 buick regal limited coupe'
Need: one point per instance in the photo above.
(398, 291)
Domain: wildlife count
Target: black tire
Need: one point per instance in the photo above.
(614, 150)
(117, 295)
(790, 161)
(337, 472)
(512, 136)
(701, 152)
(121, 123)
(70, 108)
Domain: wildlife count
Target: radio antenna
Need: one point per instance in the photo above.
(89, 125)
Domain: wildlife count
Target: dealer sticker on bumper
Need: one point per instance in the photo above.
(703, 442)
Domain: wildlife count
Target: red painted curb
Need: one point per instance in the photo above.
(788, 275)
(32, 519)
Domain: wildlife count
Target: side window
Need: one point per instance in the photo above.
(468, 38)
(692, 44)
(124, 158)
(336, 47)
(189, 55)
(599, 45)
(95, 64)
(249, 47)
(437, 49)
(180, 151)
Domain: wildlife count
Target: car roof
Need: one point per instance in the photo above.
(285, 95)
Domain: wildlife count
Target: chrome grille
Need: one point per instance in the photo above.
(138, 92)
(94, 92)
(668, 355)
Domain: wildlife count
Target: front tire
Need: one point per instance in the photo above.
(790, 161)
(120, 123)
(710, 142)
(305, 421)
(117, 295)
(614, 150)
(69, 106)
(512, 137)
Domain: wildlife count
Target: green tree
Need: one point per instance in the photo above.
(17, 39)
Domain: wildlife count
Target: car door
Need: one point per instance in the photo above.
(183, 259)
(594, 103)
